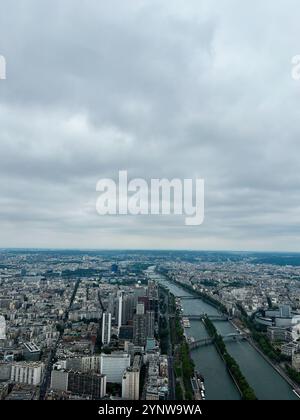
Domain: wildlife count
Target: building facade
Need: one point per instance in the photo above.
(113, 366)
(27, 373)
(106, 328)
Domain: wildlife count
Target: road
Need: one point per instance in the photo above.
(51, 358)
(172, 382)
(171, 375)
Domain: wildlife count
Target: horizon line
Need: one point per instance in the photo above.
(144, 250)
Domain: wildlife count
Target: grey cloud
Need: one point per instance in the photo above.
(163, 89)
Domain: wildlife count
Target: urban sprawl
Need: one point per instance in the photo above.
(91, 325)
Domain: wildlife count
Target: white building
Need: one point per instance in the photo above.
(120, 306)
(106, 328)
(113, 366)
(2, 328)
(140, 309)
(27, 373)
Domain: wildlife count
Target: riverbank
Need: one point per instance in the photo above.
(278, 369)
(218, 305)
(172, 334)
(262, 377)
(245, 390)
(203, 296)
(250, 337)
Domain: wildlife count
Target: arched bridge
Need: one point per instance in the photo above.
(200, 317)
(227, 337)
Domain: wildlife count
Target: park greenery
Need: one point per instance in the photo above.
(183, 364)
(293, 374)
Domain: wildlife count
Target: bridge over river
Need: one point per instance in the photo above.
(208, 340)
(200, 317)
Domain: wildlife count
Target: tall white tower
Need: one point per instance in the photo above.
(120, 296)
(106, 328)
(2, 328)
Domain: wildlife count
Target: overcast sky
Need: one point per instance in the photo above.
(177, 88)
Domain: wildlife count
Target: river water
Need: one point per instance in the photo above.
(266, 382)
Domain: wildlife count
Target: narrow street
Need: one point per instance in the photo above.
(51, 358)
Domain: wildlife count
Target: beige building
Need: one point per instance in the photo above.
(131, 381)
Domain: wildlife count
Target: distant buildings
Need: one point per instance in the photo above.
(281, 318)
(52, 304)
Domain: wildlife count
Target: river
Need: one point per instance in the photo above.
(266, 382)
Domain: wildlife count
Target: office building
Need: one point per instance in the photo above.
(2, 328)
(113, 366)
(285, 311)
(125, 334)
(140, 309)
(27, 373)
(150, 318)
(131, 381)
(90, 385)
(120, 309)
(106, 328)
(139, 330)
(31, 352)
(90, 364)
(59, 380)
(128, 308)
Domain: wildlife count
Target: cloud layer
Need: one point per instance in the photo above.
(162, 89)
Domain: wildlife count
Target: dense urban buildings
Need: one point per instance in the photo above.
(92, 325)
